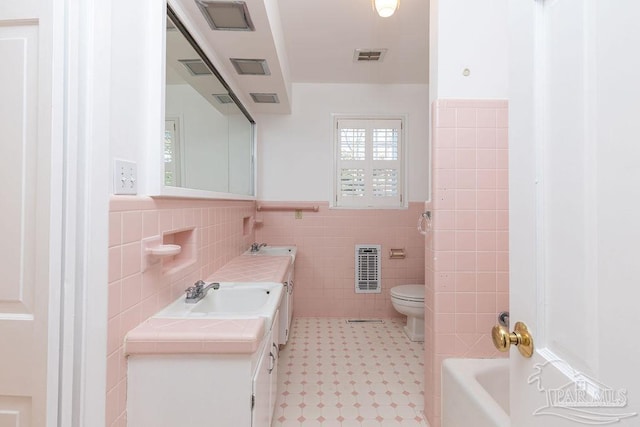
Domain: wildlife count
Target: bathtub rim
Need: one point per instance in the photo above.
(464, 373)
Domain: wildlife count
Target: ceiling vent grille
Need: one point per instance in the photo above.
(226, 15)
(196, 67)
(265, 98)
(369, 55)
(368, 269)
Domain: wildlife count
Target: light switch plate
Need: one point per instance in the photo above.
(125, 177)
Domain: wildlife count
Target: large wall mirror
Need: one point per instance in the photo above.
(209, 136)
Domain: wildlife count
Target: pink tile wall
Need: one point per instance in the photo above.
(134, 294)
(467, 263)
(325, 264)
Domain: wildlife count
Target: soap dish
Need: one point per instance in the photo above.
(153, 250)
(164, 250)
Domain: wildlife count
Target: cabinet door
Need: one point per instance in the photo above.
(290, 304)
(273, 387)
(286, 308)
(261, 410)
(283, 330)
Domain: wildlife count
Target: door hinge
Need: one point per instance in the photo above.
(253, 401)
(286, 333)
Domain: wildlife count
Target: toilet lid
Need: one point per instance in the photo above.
(408, 292)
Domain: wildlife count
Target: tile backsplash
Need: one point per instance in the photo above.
(219, 234)
(325, 265)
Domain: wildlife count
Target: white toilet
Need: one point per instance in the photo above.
(409, 300)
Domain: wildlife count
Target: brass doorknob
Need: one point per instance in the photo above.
(520, 337)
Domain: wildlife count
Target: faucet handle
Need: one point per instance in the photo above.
(191, 292)
(195, 290)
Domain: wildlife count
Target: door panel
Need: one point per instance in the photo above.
(25, 121)
(573, 201)
(567, 198)
(18, 45)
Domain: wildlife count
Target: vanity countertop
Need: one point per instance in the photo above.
(195, 336)
(251, 268)
(205, 336)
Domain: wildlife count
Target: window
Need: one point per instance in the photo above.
(369, 163)
(172, 153)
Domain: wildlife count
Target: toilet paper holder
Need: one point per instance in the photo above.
(397, 253)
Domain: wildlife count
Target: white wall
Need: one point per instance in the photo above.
(295, 152)
(136, 82)
(241, 146)
(468, 34)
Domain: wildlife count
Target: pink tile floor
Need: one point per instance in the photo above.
(337, 374)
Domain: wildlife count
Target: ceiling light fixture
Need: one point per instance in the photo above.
(265, 98)
(223, 98)
(196, 67)
(226, 15)
(253, 67)
(385, 8)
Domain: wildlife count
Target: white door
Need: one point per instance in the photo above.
(26, 261)
(575, 210)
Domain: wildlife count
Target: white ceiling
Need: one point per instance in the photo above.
(321, 36)
(313, 41)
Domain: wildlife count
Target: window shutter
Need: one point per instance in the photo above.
(369, 163)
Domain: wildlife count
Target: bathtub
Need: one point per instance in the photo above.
(475, 392)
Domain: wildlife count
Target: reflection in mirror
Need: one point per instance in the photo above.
(208, 143)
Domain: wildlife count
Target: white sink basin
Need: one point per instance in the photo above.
(276, 251)
(233, 300)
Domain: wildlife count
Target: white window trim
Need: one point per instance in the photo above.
(403, 173)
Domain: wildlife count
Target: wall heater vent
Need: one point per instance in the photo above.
(368, 269)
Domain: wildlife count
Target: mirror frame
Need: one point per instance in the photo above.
(157, 186)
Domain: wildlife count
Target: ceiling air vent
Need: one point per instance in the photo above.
(265, 98)
(196, 67)
(226, 15)
(223, 98)
(368, 55)
(252, 67)
(368, 269)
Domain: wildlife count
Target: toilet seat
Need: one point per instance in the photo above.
(412, 293)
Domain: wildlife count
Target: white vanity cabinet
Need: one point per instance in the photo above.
(265, 382)
(204, 390)
(286, 306)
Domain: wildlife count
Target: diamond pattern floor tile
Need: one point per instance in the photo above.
(338, 374)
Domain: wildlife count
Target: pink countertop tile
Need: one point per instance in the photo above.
(252, 268)
(176, 336)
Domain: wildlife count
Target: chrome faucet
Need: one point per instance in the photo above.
(255, 247)
(198, 291)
